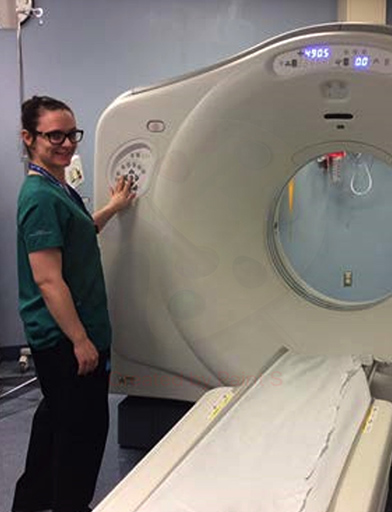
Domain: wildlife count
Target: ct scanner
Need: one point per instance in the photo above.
(252, 275)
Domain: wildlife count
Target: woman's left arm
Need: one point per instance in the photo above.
(122, 196)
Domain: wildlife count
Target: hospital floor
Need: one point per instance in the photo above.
(16, 412)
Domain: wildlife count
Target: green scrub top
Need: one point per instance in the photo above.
(48, 217)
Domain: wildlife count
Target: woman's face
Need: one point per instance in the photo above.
(42, 151)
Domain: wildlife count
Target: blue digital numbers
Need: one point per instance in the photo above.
(317, 53)
(338, 56)
(361, 62)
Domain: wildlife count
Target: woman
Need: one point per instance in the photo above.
(62, 302)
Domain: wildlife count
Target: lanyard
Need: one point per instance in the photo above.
(69, 190)
(47, 175)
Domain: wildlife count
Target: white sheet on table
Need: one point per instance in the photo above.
(281, 448)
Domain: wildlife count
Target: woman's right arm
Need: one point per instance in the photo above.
(46, 266)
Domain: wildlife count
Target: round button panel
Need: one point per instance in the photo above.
(135, 161)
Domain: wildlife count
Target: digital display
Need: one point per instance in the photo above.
(322, 56)
(317, 53)
(361, 61)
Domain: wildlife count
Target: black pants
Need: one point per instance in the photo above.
(68, 434)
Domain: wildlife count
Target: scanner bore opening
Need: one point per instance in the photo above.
(330, 231)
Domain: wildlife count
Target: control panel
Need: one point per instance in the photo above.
(136, 161)
(333, 56)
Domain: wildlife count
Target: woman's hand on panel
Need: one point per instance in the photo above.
(122, 194)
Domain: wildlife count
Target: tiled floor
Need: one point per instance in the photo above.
(15, 420)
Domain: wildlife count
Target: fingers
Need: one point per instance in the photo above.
(87, 357)
(87, 366)
(126, 184)
(123, 183)
(124, 192)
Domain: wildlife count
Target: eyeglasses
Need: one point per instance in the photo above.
(57, 137)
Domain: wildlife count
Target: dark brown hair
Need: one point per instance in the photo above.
(32, 110)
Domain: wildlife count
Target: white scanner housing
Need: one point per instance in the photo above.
(260, 247)
(201, 288)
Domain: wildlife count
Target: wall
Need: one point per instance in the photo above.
(87, 52)
(11, 173)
